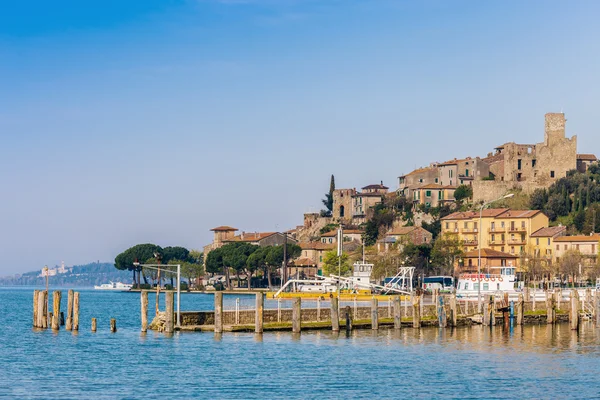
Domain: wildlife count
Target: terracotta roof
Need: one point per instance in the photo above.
(345, 232)
(549, 232)
(223, 229)
(365, 194)
(303, 262)
(489, 253)
(490, 212)
(420, 170)
(316, 246)
(250, 237)
(579, 238)
(402, 230)
(377, 186)
(587, 157)
(519, 214)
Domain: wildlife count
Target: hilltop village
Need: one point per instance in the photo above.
(522, 205)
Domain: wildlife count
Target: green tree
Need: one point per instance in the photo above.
(138, 253)
(235, 256)
(274, 258)
(463, 192)
(174, 253)
(328, 200)
(538, 199)
(334, 265)
(446, 250)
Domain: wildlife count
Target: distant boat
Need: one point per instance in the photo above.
(114, 286)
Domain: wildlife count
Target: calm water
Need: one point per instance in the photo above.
(534, 362)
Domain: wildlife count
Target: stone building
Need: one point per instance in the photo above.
(342, 205)
(403, 235)
(433, 195)
(584, 161)
(349, 235)
(417, 178)
(530, 166)
(351, 206)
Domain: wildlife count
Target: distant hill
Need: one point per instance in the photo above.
(79, 275)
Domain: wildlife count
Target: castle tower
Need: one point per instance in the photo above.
(554, 130)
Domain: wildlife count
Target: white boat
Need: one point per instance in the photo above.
(469, 284)
(114, 286)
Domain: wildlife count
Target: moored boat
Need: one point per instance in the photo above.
(114, 286)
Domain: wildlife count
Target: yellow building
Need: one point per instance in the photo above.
(433, 195)
(502, 229)
(587, 246)
(541, 242)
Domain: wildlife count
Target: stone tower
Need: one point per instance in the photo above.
(554, 130)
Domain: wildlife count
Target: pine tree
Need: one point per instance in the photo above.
(328, 200)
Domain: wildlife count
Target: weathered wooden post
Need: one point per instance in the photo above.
(41, 312)
(550, 311)
(259, 313)
(113, 325)
(348, 319)
(397, 313)
(558, 293)
(453, 310)
(441, 312)
(533, 300)
(93, 324)
(169, 311)
(520, 308)
(318, 309)
(218, 312)
(76, 311)
(492, 311)
(574, 312)
(69, 325)
(416, 300)
(597, 308)
(335, 317)
(506, 311)
(374, 314)
(297, 315)
(144, 309)
(36, 294)
(486, 314)
(56, 310)
(389, 307)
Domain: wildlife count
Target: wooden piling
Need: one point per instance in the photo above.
(218, 312)
(259, 313)
(397, 313)
(416, 300)
(56, 310)
(441, 312)
(144, 310)
(486, 314)
(76, 311)
(297, 315)
(574, 311)
(519, 310)
(36, 294)
(492, 309)
(93, 324)
(113, 324)
(550, 307)
(348, 313)
(335, 316)
(506, 311)
(597, 308)
(69, 325)
(42, 318)
(374, 314)
(169, 312)
(453, 311)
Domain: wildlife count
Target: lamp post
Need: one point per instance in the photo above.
(479, 247)
(156, 267)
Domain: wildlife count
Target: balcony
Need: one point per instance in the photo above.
(452, 231)
(469, 230)
(497, 230)
(470, 242)
(497, 242)
(517, 229)
(516, 241)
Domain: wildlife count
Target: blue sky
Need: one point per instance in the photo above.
(153, 121)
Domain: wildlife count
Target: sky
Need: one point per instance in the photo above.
(125, 122)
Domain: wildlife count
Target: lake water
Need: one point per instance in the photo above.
(476, 362)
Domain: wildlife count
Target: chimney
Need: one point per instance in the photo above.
(243, 235)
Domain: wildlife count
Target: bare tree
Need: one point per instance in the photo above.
(570, 264)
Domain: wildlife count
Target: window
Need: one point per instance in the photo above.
(548, 241)
(447, 225)
(533, 162)
(320, 258)
(493, 225)
(537, 241)
(493, 238)
(551, 174)
(421, 180)
(341, 211)
(428, 193)
(466, 225)
(436, 180)
(466, 172)
(475, 225)
(476, 286)
(441, 195)
(330, 240)
(512, 249)
(486, 286)
(466, 285)
(519, 164)
(523, 224)
(557, 247)
(502, 224)
(502, 249)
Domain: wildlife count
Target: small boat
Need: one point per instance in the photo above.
(114, 286)
(469, 284)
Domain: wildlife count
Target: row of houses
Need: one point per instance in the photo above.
(509, 237)
(311, 259)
